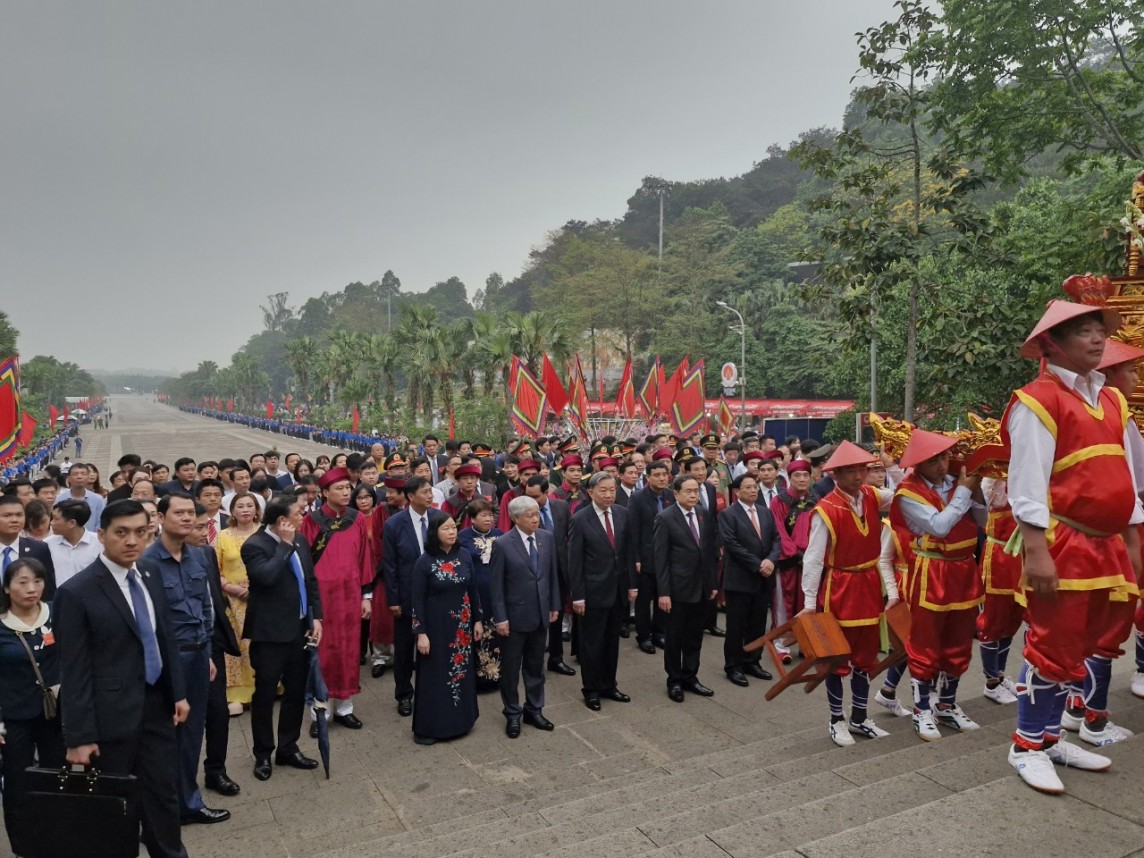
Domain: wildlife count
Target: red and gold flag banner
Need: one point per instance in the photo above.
(687, 408)
(554, 387)
(9, 406)
(578, 396)
(529, 402)
(626, 395)
(650, 390)
(669, 390)
(725, 417)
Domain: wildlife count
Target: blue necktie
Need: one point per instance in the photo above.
(533, 559)
(546, 517)
(152, 661)
(424, 532)
(296, 565)
(7, 559)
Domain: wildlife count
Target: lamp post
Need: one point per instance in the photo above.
(742, 364)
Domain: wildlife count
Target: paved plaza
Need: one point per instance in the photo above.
(732, 775)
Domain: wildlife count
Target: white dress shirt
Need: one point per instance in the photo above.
(923, 518)
(119, 573)
(69, 559)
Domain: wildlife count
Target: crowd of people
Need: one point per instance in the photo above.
(177, 597)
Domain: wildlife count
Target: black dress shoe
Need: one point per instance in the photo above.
(675, 692)
(715, 632)
(624, 632)
(592, 701)
(697, 687)
(538, 721)
(222, 784)
(350, 721)
(647, 646)
(660, 641)
(313, 729)
(512, 728)
(262, 769)
(206, 816)
(295, 760)
(561, 668)
(757, 672)
(423, 740)
(377, 671)
(617, 695)
(405, 707)
(736, 676)
(566, 636)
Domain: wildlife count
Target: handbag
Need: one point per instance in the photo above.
(80, 811)
(51, 706)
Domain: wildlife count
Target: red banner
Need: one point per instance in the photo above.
(529, 402)
(230, 404)
(27, 430)
(726, 418)
(557, 395)
(356, 420)
(670, 389)
(53, 415)
(578, 396)
(687, 411)
(9, 406)
(626, 395)
(269, 410)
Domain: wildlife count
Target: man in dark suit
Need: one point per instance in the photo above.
(525, 597)
(403, 542)
(223, 643)
(554, 518)
(14, 547)
(602, 577)
(645, 505)
(628, 482)
(685, 557)
(283, 615)
(120, 674)
(184, 481)
(696, 466)
(751, 549)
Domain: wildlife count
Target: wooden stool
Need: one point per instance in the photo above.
(823, 647)
(898, 629)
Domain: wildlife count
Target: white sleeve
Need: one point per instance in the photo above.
(1134, 452)
(923, 518)
(886, 560)
(1030, 464)
(813, 558)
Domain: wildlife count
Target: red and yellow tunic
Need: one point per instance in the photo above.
(943, 572)
(852, 587)
(1000, 572)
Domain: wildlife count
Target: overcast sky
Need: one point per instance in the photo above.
(167, 165)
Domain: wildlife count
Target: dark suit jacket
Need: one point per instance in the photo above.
(519, 596)
(175, 486)
(101, 657)
(642, 510)
(684, 570)
(223, 638)
(33, 549)
(560, 523)
(622, 497)
(598, 573)
(399, 553)
(711, 509)
(744, 550)
(273, 606)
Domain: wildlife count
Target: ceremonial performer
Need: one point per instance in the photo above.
(841, 576)
(937, 517)
(791, 511)
(1076, 506)
(1001, 614)
(468, 479)
(339, 548)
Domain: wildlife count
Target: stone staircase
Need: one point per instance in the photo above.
(797, 794)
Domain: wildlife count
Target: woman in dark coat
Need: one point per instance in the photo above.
(30, 735)
(446, 621)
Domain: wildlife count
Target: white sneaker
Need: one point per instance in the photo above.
(924, 725)
(893, 706)
(867, 728)
(839, 735)
(1110, 735)
(1071, 722)
(1036, 769)
(1010, 686)
(955, 718)
(1138, 683)
(999, 694)
(1066, 754)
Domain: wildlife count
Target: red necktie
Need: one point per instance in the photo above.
(212, 531)
(608, 527)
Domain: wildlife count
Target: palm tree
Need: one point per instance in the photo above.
(380, 367)
(418, 341)
(300, 355)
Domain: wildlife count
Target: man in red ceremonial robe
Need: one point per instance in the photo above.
(339, 544)
(791, 510)
(1076, 503)
(527, 469)
(841, 576)
(572, 469)
(936, 518)
(468, 478)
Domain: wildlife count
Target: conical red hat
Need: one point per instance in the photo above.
(1116, 352)
(1060, 312)
(845, 454)
(925, 445)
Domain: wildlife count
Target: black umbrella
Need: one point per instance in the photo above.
(318, 698)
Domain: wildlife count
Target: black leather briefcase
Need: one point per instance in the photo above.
(82, 812)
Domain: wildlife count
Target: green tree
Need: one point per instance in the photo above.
(8, 336)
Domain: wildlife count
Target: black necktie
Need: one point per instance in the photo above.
(533, 558)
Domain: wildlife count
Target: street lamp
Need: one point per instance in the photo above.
(743, 362)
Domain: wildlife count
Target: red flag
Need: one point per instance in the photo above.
(357, 420)
(650, 390)
(230, 403)
(578, 396)
(687, 408)
(287, 401)
(725, 417)
(557, 395)
(67, 413)
(626, 395)
(27, 430)
(269, 410)
(53, 415)
(529, 403)
(670, 390)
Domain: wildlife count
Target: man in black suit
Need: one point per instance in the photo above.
(626, 487)
(751, 549)
(120, 674)
(184, 481)
(685, 556)
(554, 518)
(525, 597)
(696, 466)
(283, 615)
(14, 547)
(645, 505)
(602, 577)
